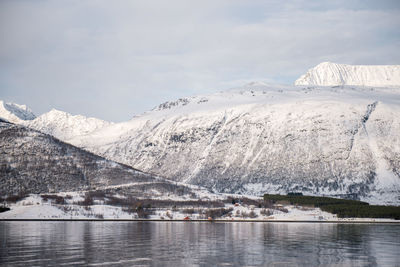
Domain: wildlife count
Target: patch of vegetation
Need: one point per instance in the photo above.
(4, 209)
(160, 203)
(143, 208)
(250, 214)
(343, 208)
(266, 212)
(188, 211)
(99, 216)
(311, 200)
(169, 215)
(98, 194)
(248, 201)
(15, 198)
(282, 209)
(364, 211)
(216, 213)
(294, 194)
(242, 200)
(142, 212)
(87, 201)
(54, 198)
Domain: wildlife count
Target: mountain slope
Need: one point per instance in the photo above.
(15, 113)
(33, 162)
(64, 125)
(331, 74)
(341, 141)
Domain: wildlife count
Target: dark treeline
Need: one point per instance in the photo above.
(343, 208)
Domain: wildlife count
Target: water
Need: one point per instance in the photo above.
(198, 244)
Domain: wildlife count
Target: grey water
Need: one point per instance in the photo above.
(198, 244)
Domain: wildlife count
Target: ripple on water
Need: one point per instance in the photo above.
(199, 244)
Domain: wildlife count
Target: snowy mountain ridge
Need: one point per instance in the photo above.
(331, 74)
(64, 125)
(15, 113)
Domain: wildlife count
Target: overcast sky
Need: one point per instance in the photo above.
(115, 59)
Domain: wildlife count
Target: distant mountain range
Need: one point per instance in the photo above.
(326, 136)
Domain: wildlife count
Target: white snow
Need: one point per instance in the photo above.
(331, 74)
(64, 125)
(15, 113)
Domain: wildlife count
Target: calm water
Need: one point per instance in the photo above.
(197, 244)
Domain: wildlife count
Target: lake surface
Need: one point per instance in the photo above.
(198, 244)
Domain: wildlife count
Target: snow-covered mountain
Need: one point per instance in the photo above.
(324, 140)
(331, 74)
(64, 125)
(15, 113)
(341, 141)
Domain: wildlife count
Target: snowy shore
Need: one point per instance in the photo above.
(34, 207)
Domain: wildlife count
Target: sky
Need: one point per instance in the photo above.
(116, 59)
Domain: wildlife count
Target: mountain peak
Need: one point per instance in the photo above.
(65, 125)
(326, 63)
(334, 74)
(56, 113)
(15, 113)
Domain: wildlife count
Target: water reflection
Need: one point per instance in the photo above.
(197, 244)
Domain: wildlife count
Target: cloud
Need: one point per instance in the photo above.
(116, 59)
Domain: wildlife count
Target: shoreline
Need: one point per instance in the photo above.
(202, 220)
